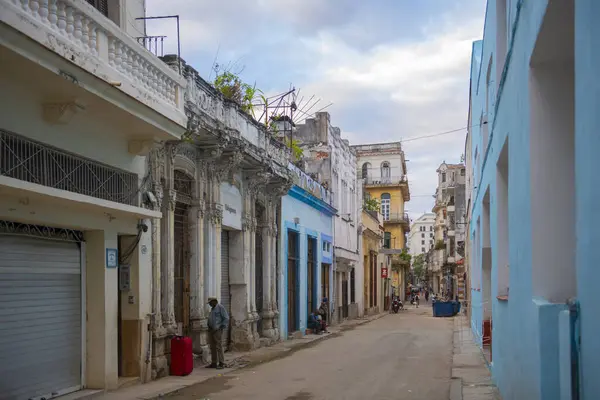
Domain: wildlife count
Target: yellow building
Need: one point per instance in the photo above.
(383, 172)
(374, 283)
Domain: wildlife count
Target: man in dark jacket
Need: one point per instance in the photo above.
(218, 322)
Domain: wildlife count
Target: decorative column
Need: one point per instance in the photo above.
(253, 315)
(267, 314)
(159, 359)
(197, 300)
(167, 245)
(239, 280)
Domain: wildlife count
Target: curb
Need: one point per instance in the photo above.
(275, 356)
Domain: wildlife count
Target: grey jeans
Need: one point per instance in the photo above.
(215, 338)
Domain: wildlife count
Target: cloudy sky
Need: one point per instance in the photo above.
(393, 69)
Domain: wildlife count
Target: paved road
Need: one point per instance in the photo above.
(402, 356)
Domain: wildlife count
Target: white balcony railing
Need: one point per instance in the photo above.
(81, 34)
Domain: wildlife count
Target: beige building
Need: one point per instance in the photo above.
(375, 264)
(449, 229)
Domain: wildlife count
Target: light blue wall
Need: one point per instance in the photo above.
(587, 149)
(314, 223)
(526, 330)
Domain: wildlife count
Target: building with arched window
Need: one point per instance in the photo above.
(383, 172)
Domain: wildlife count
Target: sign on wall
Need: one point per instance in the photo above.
(111, 258)
(231, 199)
(384, 272)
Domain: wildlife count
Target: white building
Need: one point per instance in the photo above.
(331, 161)
(113, 231)
(421, 237)
(84, 104)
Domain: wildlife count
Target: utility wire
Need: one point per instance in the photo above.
(410, 139)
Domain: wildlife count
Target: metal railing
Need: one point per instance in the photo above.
(384, 181)
(31, 161)
(396, 217)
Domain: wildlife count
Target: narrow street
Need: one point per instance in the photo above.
(402, 356)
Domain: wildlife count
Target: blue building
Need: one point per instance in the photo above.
(535, 222)
(306, 252)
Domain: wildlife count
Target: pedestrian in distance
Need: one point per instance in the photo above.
(415, 300)
(314, 322)
(218, 322)
(426, 296)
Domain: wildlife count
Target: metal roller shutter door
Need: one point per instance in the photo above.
(225, 294)
(40, 318)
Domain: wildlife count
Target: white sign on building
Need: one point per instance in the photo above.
(231, 198)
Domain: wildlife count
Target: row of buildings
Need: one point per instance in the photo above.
(131, 191)
(439, 237)
(531, 195)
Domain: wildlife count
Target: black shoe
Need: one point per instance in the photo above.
(220, 366)
(211, 366)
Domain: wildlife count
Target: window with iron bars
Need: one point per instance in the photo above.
(31, 161)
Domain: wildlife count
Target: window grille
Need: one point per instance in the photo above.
(31, 161)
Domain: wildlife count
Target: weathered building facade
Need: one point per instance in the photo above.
(219, 194)
(331, 160)
(87, 103)
(450, 212)
(382, 168)
(305, 251)
(375, 264)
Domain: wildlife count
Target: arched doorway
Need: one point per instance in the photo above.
(183, 184)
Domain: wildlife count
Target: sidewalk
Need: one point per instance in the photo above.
(233, 360)
(471, 378)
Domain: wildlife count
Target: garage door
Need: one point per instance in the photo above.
(225, 298)
(40, 318)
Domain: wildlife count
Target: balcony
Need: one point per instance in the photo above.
(385, 181)
(30, 161)
(396, 218)
(84, 37)
(451, 259)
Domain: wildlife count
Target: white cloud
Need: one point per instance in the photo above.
(384, 89)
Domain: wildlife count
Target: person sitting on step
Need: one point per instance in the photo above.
(314, 323)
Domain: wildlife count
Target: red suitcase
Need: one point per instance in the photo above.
(182, 358)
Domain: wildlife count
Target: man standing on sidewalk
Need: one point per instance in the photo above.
(218, 322)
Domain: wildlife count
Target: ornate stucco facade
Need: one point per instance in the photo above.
(225, 147)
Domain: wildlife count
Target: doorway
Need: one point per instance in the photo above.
(181, 269)
(310, 271)
(344, 295)
(182, 183)
(325, 270)
(292, 282)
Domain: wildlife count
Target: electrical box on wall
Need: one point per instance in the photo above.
(124, 277)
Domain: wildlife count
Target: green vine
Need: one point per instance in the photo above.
(371, 204)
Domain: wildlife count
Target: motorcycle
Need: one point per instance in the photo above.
(397, 305)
